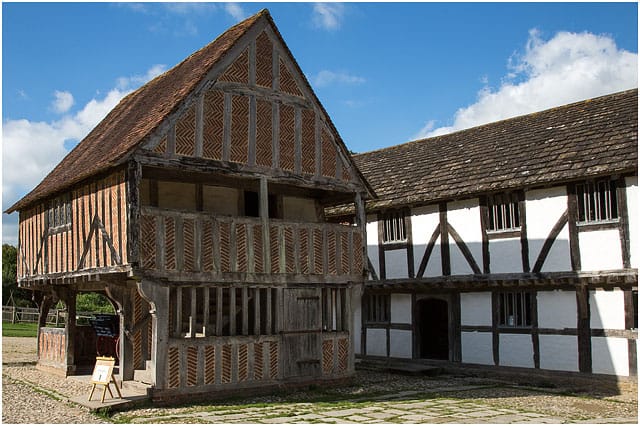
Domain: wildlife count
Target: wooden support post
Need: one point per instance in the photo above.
(572, 218)
(245, 311)
(256, 310)
(178, 330)
(193, 317)
(269, 314)
(206, 312)
(232, 311)
(495, 320)
(219, 307)
(159, 296)
(69, 297)
(584, 329)
(444, 240)
(339, 307)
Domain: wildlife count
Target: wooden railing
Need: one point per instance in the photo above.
(55, 317)
(202, 246)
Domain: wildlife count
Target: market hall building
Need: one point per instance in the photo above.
(197, 207)
(219, 210)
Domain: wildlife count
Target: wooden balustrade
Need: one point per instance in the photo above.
(202, 247)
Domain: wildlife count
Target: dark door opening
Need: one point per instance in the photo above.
(433, 326)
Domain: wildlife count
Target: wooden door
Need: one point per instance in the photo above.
(302, 345)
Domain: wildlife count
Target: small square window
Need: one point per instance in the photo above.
(597, 201)
(504, 213)
(377, 308)
(60, 212)
(515, 309)
(393, 227)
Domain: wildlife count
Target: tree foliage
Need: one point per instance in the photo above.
(21, 297)
(94, 303)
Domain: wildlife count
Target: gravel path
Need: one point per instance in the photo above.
(32, 396)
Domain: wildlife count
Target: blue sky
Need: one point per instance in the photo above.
(386, 73)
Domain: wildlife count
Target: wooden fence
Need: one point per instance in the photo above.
(56, 317)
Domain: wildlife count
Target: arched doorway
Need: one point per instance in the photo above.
(433, 326)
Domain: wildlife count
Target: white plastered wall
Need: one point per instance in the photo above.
(424, 221)
(401, 309)
(220, 200)
(607, 309)
(477, 348)
(299, 209)
(396, 263)
(600, 250)
(372, 243)
(377, 341)
(544, 208)
(610, 355)
(401, 343)
(632, 208)
(475, 308)
(559, 352)
(505, 255)
(464, 217)
(516, 350)
(557, 309)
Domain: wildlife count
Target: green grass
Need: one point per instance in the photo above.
(19, 329)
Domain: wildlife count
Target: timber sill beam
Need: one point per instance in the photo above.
(600, 279)
(106, 275)
(237, 170)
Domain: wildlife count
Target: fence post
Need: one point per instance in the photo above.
(14, 315)
(57, 317)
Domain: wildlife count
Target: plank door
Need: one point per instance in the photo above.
(302, 345)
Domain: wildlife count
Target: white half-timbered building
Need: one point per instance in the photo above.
(508, 244)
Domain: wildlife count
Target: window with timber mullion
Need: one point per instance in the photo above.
(394, 229)
(597, 201)
(197, 312)
(504, 212)
(377, 308)
(516, 309)
(60, 213)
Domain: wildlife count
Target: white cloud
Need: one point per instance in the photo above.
(126, 83)
(567, 68)
(183, 8)
(63, 101)
(235, 10)
(30, 149)
(327, 78)
(328, 15)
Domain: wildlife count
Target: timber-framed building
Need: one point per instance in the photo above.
(197, 207)
(509, 244)
(218, 208)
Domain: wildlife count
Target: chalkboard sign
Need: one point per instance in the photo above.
(103, 375)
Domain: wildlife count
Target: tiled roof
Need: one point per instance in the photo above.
(585, 139)
(135, 117)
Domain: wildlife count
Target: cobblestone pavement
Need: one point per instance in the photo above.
(31, 396)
